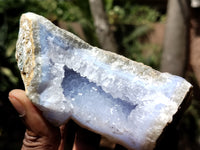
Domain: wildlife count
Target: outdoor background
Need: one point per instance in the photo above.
(164, 34)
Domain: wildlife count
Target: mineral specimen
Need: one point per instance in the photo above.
(109, 94)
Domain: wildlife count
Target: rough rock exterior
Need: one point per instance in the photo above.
(109, 94)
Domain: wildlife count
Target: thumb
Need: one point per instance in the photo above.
(37, 126)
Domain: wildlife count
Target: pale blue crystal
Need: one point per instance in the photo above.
(109, 94)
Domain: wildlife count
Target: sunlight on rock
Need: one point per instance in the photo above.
(109, 94)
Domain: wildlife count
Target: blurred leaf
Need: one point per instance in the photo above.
(108, 4)
(137, 33)
(8, 73)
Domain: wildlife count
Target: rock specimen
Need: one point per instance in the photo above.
(104, 92)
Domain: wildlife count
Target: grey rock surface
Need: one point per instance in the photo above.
(109, 94)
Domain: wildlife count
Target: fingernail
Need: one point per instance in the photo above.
(17, 105)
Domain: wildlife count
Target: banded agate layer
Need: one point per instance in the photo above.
(109, 94)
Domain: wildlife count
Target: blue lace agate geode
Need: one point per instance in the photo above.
(109, 94)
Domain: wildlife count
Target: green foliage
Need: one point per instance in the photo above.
(134, 22)
(133, 14)
(60, 10)
(116, 15)
(108, 4)
(141, 14)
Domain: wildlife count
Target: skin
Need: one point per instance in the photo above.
(41, 135)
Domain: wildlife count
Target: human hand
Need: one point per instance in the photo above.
(41, 135)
